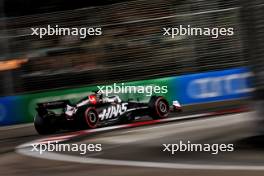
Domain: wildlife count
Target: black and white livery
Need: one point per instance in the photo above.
(95, 110)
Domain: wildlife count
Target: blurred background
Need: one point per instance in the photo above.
(204, 74)
(132, 47)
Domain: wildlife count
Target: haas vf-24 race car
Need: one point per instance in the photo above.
(95, 110)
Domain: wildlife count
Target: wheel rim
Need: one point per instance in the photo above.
(163, 107)
(91, 117)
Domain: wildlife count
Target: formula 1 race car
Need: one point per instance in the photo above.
(96, 110)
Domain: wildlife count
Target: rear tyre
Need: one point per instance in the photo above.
(159, 107)
(44, 126)
(91, 117)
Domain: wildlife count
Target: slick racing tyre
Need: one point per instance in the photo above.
(159, 107)
(44, 126)
(91, 117)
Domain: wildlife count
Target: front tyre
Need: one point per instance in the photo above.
(159, 107)
(44, 126)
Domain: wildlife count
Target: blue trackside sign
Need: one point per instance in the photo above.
(215, 86)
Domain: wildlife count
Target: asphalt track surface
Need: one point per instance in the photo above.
(137, 149)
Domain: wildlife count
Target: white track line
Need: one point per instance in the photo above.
(24, 150)
(148, 132)
(111, 162)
